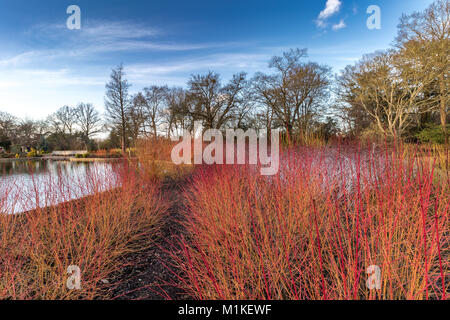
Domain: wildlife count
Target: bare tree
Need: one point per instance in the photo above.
(23, 132)
(296, 90)
(154, 101)
(88, 120)
(117, 103)
(430, 30)
(389, 86)
(354, 117)
(175, 114)
(136, 117)
(8, 123)
(64, 120)
(26, 133)
(213, 103)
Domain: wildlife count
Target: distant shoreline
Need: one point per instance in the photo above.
(19, 159)
(71, 159)
(92, 159)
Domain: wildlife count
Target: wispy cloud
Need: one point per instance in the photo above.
(331, 8)
(141, 73)
(36, 57)
(97, 39)
(107, 37)
(16, 59)
(96, 30)
(102, 30)
(339, 26)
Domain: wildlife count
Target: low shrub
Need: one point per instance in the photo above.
(82, 155)
(33, 153)
(433, 134)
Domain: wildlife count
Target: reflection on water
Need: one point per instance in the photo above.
(25, 185)
(26, 167)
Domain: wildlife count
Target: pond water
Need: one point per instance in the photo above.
(28, 184)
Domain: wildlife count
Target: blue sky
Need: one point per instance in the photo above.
(44, 65)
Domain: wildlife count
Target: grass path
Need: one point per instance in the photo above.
(146, 277)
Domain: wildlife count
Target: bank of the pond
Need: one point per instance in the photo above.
(96, 159)
(20, 159)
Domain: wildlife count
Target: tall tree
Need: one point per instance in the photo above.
(88, 120)
(136, 117)
(354, 118)
(117, 103)
(213, 103)
(63, 120)
(8, 126)
(154, 102)
(389, 86)
(296, 90)
(26, 133)
(430, 30)
(175, 114)
(7, 122)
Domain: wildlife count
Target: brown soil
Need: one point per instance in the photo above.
(147, 276)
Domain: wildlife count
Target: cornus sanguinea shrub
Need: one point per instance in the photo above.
(313, 230)
(122, 215)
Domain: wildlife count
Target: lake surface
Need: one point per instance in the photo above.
(28, 184)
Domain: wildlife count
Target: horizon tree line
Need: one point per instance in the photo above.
(293, 97)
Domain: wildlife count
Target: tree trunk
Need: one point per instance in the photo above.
(443, 111)
(124, 144)
(155, 133)
(289, 129)
(124, 138)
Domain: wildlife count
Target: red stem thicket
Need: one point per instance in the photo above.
(312, 231)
